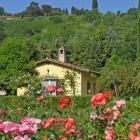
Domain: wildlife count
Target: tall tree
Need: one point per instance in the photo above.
(138, 33)
(34, 10)
(1, 11)
(94, 4)
(46, 10)
(16, 60)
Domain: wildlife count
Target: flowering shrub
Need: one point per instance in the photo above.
(104, 115)
(103, 119)
(135, 131)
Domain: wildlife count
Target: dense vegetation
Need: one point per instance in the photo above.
(105, 42)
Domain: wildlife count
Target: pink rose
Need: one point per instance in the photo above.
(60, 91)
(109, 133)
(40, 98)
(51, 88)
(120, 103)
(22, 138)
(69, 124)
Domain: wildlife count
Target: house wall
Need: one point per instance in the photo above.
(85, 79)
(22, 91)
(59, 71)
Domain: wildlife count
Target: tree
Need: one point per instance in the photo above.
(1, 11)
(94, 4)
(46, 10)
(82, 50)
(34, 10)
(108, 40)
(16, 63)
(66, 11)
(93, 15)
(132, 12)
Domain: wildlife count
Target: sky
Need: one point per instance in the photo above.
(14, 6)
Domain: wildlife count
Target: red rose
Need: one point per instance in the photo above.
(51, 88)
(49, 122)
(64, 101)
(108, 93)
(40, 98)
(98, 99)
(60, 91)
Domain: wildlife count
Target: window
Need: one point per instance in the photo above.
(47, 82)
(61, 51)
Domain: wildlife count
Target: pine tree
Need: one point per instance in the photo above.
(94, 4)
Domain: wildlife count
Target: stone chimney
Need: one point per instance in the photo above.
(62, 54)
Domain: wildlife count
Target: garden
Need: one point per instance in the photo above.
(101, 116)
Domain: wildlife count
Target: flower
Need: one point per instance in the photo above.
(64, 101)
(116, 114)
(98, 99)
(111, 114)
(40, 98)
(10, 127)
(134, 131)
(60, 91)
(69, 124)
(49, 122)
(120, 103)
(63, 138)
(132, 136)
(109, 133)
(108, 93)
(51, 88)
(22, 138)
(108, 114)
(30, 121)
(1, 127)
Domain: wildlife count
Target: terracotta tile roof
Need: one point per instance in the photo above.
(72, 66)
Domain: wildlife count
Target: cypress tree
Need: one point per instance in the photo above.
(94, 4)
(138, 34)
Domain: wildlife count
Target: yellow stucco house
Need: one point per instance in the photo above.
(76, 80)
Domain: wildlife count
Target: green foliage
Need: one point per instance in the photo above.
(2, 34)
(47, 10)
(56, 19)
(16, 60)
(93, 15)
(34, 10)
(1, 11)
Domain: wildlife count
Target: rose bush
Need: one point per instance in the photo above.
(83, 118)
